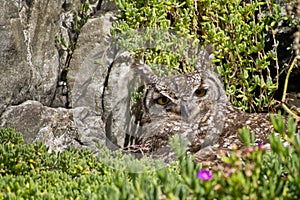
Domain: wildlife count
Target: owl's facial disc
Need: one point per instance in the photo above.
(184, 106)
(178, 98)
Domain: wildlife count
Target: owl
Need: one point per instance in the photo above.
(195, 108)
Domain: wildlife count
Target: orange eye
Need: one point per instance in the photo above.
(162, 100)
(200, 92)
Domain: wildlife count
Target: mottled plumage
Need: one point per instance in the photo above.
(195, 107)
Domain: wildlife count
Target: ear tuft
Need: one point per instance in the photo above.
(145, 72)
(204, 58)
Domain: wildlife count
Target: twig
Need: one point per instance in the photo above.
(285, 107)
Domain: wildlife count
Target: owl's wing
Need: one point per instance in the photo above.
(260, 128)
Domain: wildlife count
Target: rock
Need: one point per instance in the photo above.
(29, 60)
(31, 65)
(102, 80)
(33, 68)
(118, 114)
(14, 70)
(37, 121)
(90, 127)
(55, 127)
(107, 6)
(92, 57)
(90, 71)
(105, 88)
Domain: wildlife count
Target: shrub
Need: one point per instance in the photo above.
(78, 174)
(238, 31)
(160, 32)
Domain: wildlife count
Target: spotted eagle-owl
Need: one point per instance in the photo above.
(195, 107)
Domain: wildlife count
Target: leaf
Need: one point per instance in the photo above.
(245, 136)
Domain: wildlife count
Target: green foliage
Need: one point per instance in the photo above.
(246, 137)
(267, 173)
(81, 17)
(29, 171)
(136, 96)
(10, 136)
(238, 31)
(159, 32)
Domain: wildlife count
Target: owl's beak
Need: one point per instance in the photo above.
(185, 113)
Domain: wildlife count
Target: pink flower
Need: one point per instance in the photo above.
(259, 144)
(227, 165)
(204, 174)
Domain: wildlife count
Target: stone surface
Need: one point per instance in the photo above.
(105, 88)
(32, 65)
(108, 5)
(55, 127)
(14, 70)
(29, 60)
(92, 77)
(91, 60)
(96, 85)
(118, 114)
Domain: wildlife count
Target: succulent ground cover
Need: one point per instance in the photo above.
(29, 171)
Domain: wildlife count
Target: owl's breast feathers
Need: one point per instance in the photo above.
(156, 143)
(257, 123)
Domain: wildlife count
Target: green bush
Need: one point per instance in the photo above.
(160, 32)
(29, 171)
(238, 31)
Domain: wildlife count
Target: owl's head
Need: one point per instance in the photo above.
(184, 96)
(191, 104)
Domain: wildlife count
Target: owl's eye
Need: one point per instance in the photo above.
(162, 100)
(200, 92)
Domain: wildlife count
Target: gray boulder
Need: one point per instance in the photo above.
(55, 127)
(40, 76)
(119, 114)
(90, 62)
(29, 60)
(31, 67)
